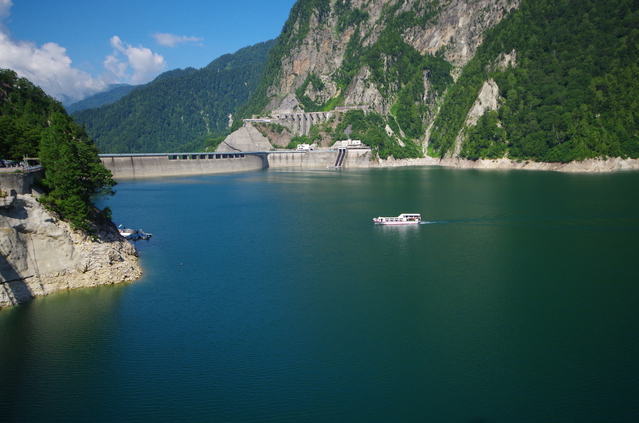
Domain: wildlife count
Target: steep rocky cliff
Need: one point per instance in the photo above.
(320, 36)
(533, 80)
(395, 58)
(40, 254)
(345, 52)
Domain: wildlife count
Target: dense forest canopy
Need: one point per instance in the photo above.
(35, 125)
(573, 94)
(181, 110)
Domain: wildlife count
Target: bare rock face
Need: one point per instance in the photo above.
(40, 254)
(276, 138)
(460, 28)
(456, 31)
(488, 99)
(363, 91)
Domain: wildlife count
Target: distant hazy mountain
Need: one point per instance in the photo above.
(111, 95)
(182, 109)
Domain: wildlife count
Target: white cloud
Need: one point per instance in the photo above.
(143, 61)
(170, 40)
(51, 68)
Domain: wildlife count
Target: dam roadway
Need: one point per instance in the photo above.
(155, 165)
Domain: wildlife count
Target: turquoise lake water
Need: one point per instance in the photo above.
(272, 297)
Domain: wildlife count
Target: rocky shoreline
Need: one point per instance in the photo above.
(589, 166)
(41, 254)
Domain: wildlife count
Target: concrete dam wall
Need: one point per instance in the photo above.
(132, 166)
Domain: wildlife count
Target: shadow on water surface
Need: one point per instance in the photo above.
(14, 356)
(55, 336)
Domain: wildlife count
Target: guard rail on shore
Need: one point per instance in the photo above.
(18, 169)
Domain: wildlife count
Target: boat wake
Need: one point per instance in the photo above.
(545, 222)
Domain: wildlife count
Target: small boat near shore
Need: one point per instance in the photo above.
(132, 234)
(402, 219)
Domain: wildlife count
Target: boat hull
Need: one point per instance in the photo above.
(402, 219)
(395, 223)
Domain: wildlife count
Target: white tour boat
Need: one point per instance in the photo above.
(402, 219)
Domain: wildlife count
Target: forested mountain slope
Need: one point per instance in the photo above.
(180, 110)
(570, 92)
(526, 79)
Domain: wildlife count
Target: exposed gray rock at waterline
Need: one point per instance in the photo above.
(40, 254)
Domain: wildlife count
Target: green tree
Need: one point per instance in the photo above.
(73, 171)
(34, 124)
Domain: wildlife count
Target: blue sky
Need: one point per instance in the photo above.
(75, 48)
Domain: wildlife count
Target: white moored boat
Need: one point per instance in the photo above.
(402, 219)
(132, 234)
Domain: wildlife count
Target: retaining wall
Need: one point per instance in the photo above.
(20, 182)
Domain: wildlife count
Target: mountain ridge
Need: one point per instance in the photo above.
(181, 110)
(112, 94)
(519, 79)
(421, 66)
